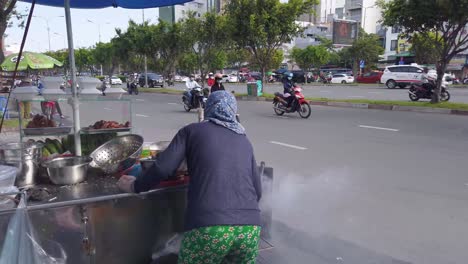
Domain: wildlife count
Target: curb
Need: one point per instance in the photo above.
(400, 108)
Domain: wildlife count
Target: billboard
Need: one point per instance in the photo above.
(344, 32)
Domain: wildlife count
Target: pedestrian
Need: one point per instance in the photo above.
(222, 220)
(218, 85)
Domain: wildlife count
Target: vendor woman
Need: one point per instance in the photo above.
(222, 220)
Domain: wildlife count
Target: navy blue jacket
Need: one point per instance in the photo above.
(225, 185)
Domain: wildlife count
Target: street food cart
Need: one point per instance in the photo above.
(93, 221)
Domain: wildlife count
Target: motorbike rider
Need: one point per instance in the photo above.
(288, 86)
(191, 84)
(218, 86)
(211, 80)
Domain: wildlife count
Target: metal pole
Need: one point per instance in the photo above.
(146, 73)
(101, 70)
(75, 100)
(364, 22)
(48, 32)
(99, 31)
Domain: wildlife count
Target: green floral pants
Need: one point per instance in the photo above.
(220, 244)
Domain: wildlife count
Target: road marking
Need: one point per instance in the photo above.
(325, 91)
(141, 115)
(380, 128)
(375, 92)
(356, 96)
(141, 100)
(108, 109)
(172, 103)
(287, 145)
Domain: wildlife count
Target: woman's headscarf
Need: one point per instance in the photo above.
(221, 109)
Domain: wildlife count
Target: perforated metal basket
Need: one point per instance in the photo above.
(118, 154)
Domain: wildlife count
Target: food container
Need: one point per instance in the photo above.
(67, 170)
(25, 157)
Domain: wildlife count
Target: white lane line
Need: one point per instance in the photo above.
(325, 91)
(287, 145)
(172, 103)
(375, 92)
(356, 96)
(380, 128)
(141, 100)
(108, 109)
(141, 115)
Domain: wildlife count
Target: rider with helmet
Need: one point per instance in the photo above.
(218, 85)
(288, 86)
(211, 80)
(191, 84)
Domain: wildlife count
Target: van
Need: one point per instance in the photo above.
(401, 76)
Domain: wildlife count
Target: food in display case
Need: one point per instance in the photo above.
(109, 125)
(40, 121)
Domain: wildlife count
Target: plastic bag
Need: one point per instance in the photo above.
(172, 246)
(22, 245)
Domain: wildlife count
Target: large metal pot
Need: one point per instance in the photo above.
(26, 157)
(67, 170)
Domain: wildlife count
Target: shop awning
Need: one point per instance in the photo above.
(92, 4)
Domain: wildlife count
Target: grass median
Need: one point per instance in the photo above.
(444, 105)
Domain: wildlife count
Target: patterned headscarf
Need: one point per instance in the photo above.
(221, 109)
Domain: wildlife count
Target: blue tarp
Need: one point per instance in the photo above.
(91, 4)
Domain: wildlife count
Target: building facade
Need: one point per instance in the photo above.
(176, 13)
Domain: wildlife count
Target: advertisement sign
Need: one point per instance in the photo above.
(344, 32)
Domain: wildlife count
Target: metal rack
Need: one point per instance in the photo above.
(68, 123)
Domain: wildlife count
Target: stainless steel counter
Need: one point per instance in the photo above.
(96, 223)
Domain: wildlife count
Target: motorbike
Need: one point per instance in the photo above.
(104, 86)
(424, 91)
(194, 98)
(132, 87)
(299, 104)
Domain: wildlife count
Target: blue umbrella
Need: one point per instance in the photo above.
(92, 4)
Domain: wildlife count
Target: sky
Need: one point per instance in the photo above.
(85, 33)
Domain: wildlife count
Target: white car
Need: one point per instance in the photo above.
(401, 75)
(115, 80)
(232, 78)
(342, 78)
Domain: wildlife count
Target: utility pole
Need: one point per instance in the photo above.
(48, 28)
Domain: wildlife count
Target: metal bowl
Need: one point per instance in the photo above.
(67, 170)
(118, 154)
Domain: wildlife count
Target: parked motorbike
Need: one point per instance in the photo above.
(194, 98)
(299, 104)
(132, 87)
(425, 91)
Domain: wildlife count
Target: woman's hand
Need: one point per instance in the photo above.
(125, 183)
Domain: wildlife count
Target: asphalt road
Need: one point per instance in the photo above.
(370, 91)
(351, 185)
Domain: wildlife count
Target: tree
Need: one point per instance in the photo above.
(83, 59)
(207, 38)
(7, 11)
(311, 57)
(424, 48)
(188, 63)
(366, 47)
(263, 26)
(447, 20)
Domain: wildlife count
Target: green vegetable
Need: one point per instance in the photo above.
(45, 153)
(58, 146)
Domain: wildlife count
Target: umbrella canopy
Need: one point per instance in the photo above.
(131, 4)
(30, 60)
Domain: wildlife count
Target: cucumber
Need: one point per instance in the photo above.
(58, 146)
